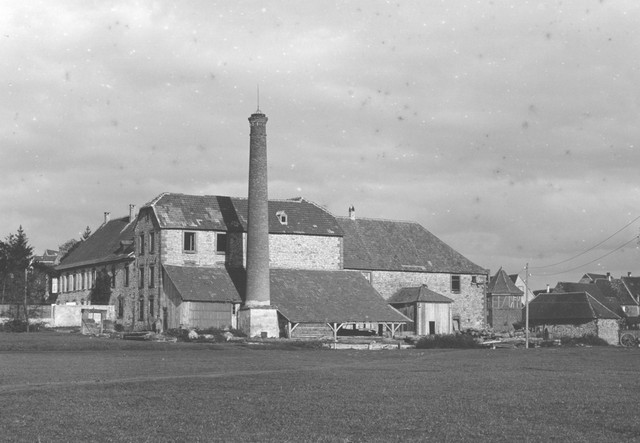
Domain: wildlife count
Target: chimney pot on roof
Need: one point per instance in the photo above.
(107, 217)
(629, 274)
(609, 276)
(548, 288)
(132, 212)
(352, 212)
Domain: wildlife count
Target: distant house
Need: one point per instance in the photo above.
(631, 305)
(430, 311)
(504, 302)
(107, 253)
(573, 314)
(520, 284)
(398, 254)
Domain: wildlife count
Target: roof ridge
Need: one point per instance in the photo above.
(601, 304)
(411, 222)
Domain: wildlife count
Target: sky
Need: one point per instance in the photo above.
(509, 129)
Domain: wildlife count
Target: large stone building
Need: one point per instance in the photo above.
(190, 261)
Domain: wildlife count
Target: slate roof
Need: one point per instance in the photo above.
(502, 284)
(616, 289)
(609, 300)
(307, 296)
(632, 284)
(215, 212)
(111, 242)
(203, 284)
(372, 244)
(301, 296)
(560, 306)
(420, 294)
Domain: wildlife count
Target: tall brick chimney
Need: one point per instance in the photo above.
(257, 317)
(258, 218)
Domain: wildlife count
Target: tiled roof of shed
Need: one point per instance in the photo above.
(306, 296)
(609, 300)
(399, 246)
(555, 306)
(615, 289)
(214, 212)
(417, 294)
(502, 284)
(111, 242)
(203, 284)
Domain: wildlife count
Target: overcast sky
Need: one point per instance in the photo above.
(510, 130)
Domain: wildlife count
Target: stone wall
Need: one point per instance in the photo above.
(172, 244)
(572, 330)
(468, 305)
(609, 330)
(146, 298)
(305, 252)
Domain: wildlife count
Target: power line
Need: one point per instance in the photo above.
(592, 261)
(588, 250)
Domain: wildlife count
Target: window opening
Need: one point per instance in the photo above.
(189, 242)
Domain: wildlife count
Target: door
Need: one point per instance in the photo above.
(432, 328)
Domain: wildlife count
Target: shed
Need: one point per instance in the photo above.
(429, 311)
(574, 314)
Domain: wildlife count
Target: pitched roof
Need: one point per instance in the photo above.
(591, 277)
(555, 306)
(615, 289)
(417, 294)
(502, 284)
(399, 246)
(632, 284)
(215, 212)
(203, 284)
(301, 296)
(608, 300)
(111, 242)
(307, 296)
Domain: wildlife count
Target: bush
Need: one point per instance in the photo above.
(18, 325)
(585, 340)
(449, 341)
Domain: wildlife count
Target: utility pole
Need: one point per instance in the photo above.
(526, 305)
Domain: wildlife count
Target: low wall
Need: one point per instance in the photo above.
(71, 315)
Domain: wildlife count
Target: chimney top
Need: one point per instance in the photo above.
(629, 274)
(609, 276)
(352, 212)
(132, 212)
(107, 217)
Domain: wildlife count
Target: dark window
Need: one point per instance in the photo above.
(152, 276)
(455, 284)
(152, 242)
(120, 307)
(282, 217)
(221, 243)
(141, 309)
(189, 242)
(141, 241)
(126, 276)
(151, 307)
(141, 278)
(113, 276)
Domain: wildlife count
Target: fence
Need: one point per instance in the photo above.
(58, 316)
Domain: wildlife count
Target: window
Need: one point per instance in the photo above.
(282, 217)
(141, 278)
(152, 276)
(113, 276)
(54, 285)
(126, 276)
(151, 308)
(189, 242)
(141, 244)
(141, 309)
(120, 307)
(93, 277)
(152, 242)
(455, 284)
(221, 243)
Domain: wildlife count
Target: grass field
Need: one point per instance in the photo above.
(65, 387)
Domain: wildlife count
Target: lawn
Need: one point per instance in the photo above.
(65, 387)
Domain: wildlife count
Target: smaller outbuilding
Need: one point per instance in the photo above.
(573, 314)
(504, 301)
(430, 311)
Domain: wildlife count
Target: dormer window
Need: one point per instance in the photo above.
(282, 217)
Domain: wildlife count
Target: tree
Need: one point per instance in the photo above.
(67, 247)
(86, 234)
(101, 291)
(19, 283)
